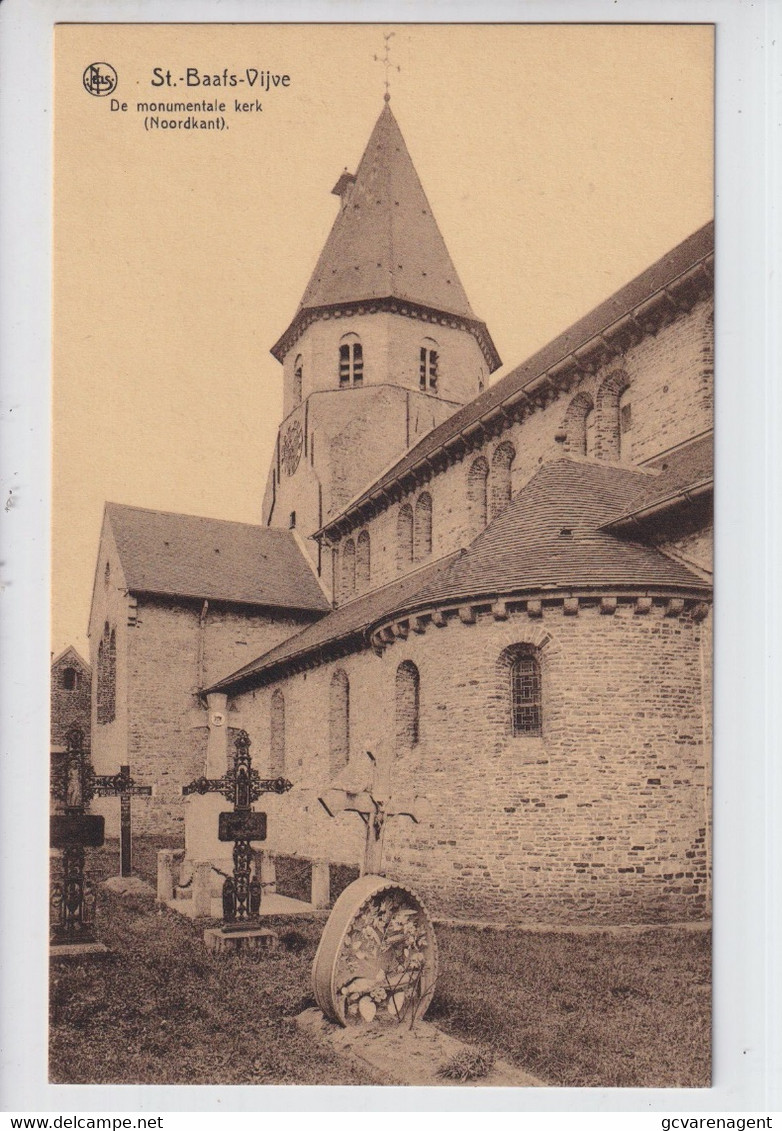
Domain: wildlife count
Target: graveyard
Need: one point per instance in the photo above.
(610, 1008)
(298, 974)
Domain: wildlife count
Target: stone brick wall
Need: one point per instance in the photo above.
(170, 649)
(605, 818)
(668, 377)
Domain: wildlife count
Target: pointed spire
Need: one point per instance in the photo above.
(385, 245)
(385, 241)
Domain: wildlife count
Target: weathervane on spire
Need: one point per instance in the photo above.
(385, 59)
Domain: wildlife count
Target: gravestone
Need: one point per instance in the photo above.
(377, 957)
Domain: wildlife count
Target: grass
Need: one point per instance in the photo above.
(575, 1010)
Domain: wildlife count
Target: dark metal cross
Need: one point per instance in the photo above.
(242, 785)
(123, 786)
(72, 829)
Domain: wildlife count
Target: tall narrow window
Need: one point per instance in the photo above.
(277, 735)
(525, 697)
(608, 434)
(477, 495)
(348, 568)
(404, 536)
(107, 676)
(422, 547)
(625, 425)
(339, 721)
(407, 705)
(351, 361)
(578, 424)
(428, 365)
(501, 464)
(362, 560)
(298, 379)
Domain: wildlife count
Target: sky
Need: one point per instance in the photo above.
(559, 161)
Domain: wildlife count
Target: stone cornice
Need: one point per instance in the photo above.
(387, 305)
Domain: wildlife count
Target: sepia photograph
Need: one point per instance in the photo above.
(382, 540)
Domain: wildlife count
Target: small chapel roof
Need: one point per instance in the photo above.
(679, 263)
(185, 555)
(385, 243)
(71, 656)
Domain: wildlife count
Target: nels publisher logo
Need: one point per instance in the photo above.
(99, 79)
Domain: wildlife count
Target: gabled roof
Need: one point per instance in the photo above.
(678, 266)
(206, 558)
(547, 540)
(345, 626)
(70, 655)
(385, 243)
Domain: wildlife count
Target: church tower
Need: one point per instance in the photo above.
(383, 347)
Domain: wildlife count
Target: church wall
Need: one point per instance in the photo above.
(167, 735)
(670, 387)
(603, 819)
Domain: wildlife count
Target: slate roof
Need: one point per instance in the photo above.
(549, 539)
(346, 624)
(187, 556)
(685, 475)
(524, 550)
(676, 262)
(385, 240)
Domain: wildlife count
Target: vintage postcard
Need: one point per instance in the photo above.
(382, 554)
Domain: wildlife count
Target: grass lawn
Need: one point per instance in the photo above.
(576, 1010)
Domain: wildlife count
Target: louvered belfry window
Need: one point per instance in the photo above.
(525, 694)
(351, 362)
(428, 369)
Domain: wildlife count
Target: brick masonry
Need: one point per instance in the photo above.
(603, 818)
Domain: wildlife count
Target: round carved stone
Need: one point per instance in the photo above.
(290, 453)
(377, 957)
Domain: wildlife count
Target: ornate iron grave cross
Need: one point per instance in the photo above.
(71, 830)
(369, 794)
(123, 786)
(242, 785)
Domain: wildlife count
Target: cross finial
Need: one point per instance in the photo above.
(385, 59)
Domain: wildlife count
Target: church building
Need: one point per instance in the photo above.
(501, 592)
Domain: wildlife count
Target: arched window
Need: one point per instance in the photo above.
(298, 378)
(578, 424)
(423, 527)
(348, 568)
(351, 361)
(407, 705)
(477, 495)
(69, 679)
(429, 356)
(501, 464)
(362, 560)
(339, 721)
(404, 536)
(625, 424)
(277, 735)
(107, 675)
(608, 429)
(525, 691)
